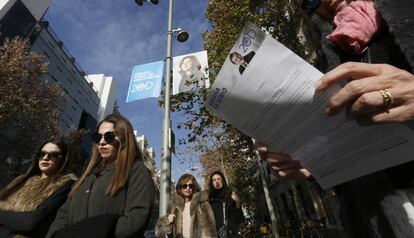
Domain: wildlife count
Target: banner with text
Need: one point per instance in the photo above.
(146, 81)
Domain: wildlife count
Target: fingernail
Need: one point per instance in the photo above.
(328, 111)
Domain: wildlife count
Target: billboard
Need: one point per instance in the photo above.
(190, 72)
(146, 81)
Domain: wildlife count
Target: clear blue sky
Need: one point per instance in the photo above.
(110, 37)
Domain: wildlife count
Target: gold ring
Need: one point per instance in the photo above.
(387, 98)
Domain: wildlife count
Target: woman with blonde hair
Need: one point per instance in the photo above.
(29, 203)
(189, 212)
(113, 197)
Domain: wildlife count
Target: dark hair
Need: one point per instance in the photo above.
(195, 62)
(35, 170)
(128, 152)
(233, 54)
(310, 6)
(211, 180)
(182, 180)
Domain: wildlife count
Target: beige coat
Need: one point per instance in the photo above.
(201, 218)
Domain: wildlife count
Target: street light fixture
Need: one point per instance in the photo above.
(165, 186)
(141, 2)
(180, 34)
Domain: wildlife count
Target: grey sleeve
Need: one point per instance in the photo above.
(139, 200)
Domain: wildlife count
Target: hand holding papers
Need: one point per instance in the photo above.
(274, 101)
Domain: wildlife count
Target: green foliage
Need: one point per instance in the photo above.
(210, 136)
(29, 106)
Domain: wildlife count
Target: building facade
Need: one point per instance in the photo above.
(88, 99)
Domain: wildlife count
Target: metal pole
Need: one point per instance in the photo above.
(267, 194)
(166, 124)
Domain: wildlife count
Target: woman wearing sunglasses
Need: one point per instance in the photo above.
(29, 203)
(189, 212)
(114, 195)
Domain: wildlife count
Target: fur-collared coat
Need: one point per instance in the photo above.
(202, 217)
(29, 211)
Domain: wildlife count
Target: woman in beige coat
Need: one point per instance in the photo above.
(189, 214)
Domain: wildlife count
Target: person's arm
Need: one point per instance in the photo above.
(26, 222)
(62, 219)
(139, 199)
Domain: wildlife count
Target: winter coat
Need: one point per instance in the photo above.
(30, 210)
(91, 213)
(202, 218)
(377, 205)
(233, 215)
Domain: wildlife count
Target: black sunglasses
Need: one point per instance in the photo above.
(54, 155)
(185, 186)
(108, 137)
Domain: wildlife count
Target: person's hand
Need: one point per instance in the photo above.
(236, 199)
(171, 218)
(379, 93)
(283, 165)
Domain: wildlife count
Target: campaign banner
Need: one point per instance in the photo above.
(146, 81)
(190, 72)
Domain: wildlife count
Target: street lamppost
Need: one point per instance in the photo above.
(165, 186)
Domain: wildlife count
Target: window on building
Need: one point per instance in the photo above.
(18, 21)
(58, 68)
(51, 44)
(44, 53)
(70, 81)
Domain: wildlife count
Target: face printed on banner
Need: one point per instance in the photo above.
(186, 65)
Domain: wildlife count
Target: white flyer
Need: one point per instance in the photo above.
(266, 91)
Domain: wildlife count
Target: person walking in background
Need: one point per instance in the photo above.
(114, 195)
(382, 91)
(29, 203)
(226, 206)
(192, 76)
(189, 214)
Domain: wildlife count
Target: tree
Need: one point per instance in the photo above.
(29, 105)
(215, 139)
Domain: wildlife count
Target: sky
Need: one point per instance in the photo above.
(110, 37)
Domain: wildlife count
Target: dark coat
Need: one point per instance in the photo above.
(372, 206)
(233, 215)
(34, 223)
(247, 58)
(132, 204)
(202, 218)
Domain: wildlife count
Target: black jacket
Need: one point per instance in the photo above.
(92, 211)
(34, 223)
(372, 206)
(232, 215)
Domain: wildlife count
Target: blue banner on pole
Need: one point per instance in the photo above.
(146, 81)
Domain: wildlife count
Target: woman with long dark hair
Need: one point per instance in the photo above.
(29, 203)
(189, 214)
(114, 195)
